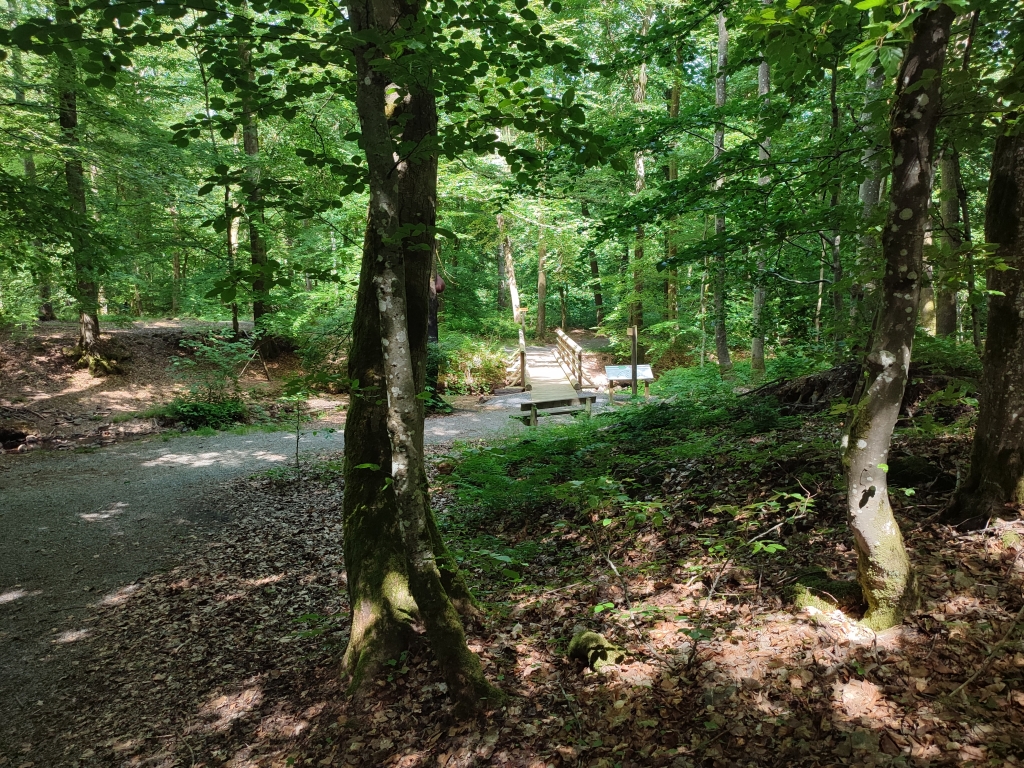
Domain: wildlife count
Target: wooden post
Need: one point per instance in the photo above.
(632, 355)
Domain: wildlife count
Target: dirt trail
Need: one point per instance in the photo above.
(79, 529)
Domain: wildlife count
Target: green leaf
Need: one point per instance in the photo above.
(865, 5)
(371, 467)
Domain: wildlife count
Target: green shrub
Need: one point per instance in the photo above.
(944, 355)
(466, 365)
(196, 414)
(212, 371)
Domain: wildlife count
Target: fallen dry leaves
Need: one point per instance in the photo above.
(223, 661)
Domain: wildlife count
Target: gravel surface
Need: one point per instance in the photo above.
(75, 528)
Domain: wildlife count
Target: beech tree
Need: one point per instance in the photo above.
(884, 568)
(996, 477)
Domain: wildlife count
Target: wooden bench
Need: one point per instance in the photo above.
(582, 403)
(623, 374)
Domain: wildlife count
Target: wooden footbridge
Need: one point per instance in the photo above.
(555, 378)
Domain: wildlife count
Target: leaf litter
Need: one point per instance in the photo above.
(232, 658)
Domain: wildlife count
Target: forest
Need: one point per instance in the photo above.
(235, 230)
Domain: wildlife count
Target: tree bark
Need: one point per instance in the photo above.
(721, 334)
(28, 160)
(671, 247)
(86, 285)
(255, 219)
(390, 340)
(951, 236)
(595, 275)
(885, 572)
(870, 195)
(995, 483)
(757, 364)
(542, 284)
(510, 271)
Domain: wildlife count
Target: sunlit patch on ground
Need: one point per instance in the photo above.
(72, 636)
(11, 595)
(119, 596)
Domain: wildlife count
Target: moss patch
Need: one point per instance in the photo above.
(593, 649)
(815, 589)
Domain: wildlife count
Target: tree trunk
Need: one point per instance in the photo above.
(995, 483)
(757, 365)
(502, 281)
(254, 212)
(175, 283)
(839, 332)
(231, 242)
(721, 335)
(28, 160)
(391, 543)
(510, 271)
(870, 195)
(542, 284)
(965, 213)
(951, 237)
(888, 581)
(564, 324)
(595, 275)
(86, 286)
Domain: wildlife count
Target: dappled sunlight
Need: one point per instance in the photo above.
(209, 458)
(119, 596)
(72, 636)
(109, 513)
(12, 594)
(221, 711)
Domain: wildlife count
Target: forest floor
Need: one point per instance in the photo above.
(229, 656)
(63, 407)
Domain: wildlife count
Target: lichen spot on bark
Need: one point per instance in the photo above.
(862, 444)
(382, 305)
(911, 276)
(907, 214)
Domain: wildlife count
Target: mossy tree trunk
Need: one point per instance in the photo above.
(396, 563)
(886, 575)
(996, 477)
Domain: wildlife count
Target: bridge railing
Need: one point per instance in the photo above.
(570, 356)
(517, 365)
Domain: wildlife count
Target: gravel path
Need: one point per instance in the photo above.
(78, 528)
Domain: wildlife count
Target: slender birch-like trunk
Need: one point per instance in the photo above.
(542, 283)
(510, 270)
(885, 572)
(757, 364)
(721, 334)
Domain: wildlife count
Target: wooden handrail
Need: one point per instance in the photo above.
(522, 359)
(570, 355)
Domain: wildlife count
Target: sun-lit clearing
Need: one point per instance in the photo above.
(209, 458)
(11, 595)
(72, 635)
(226, 709)
(119, 596)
